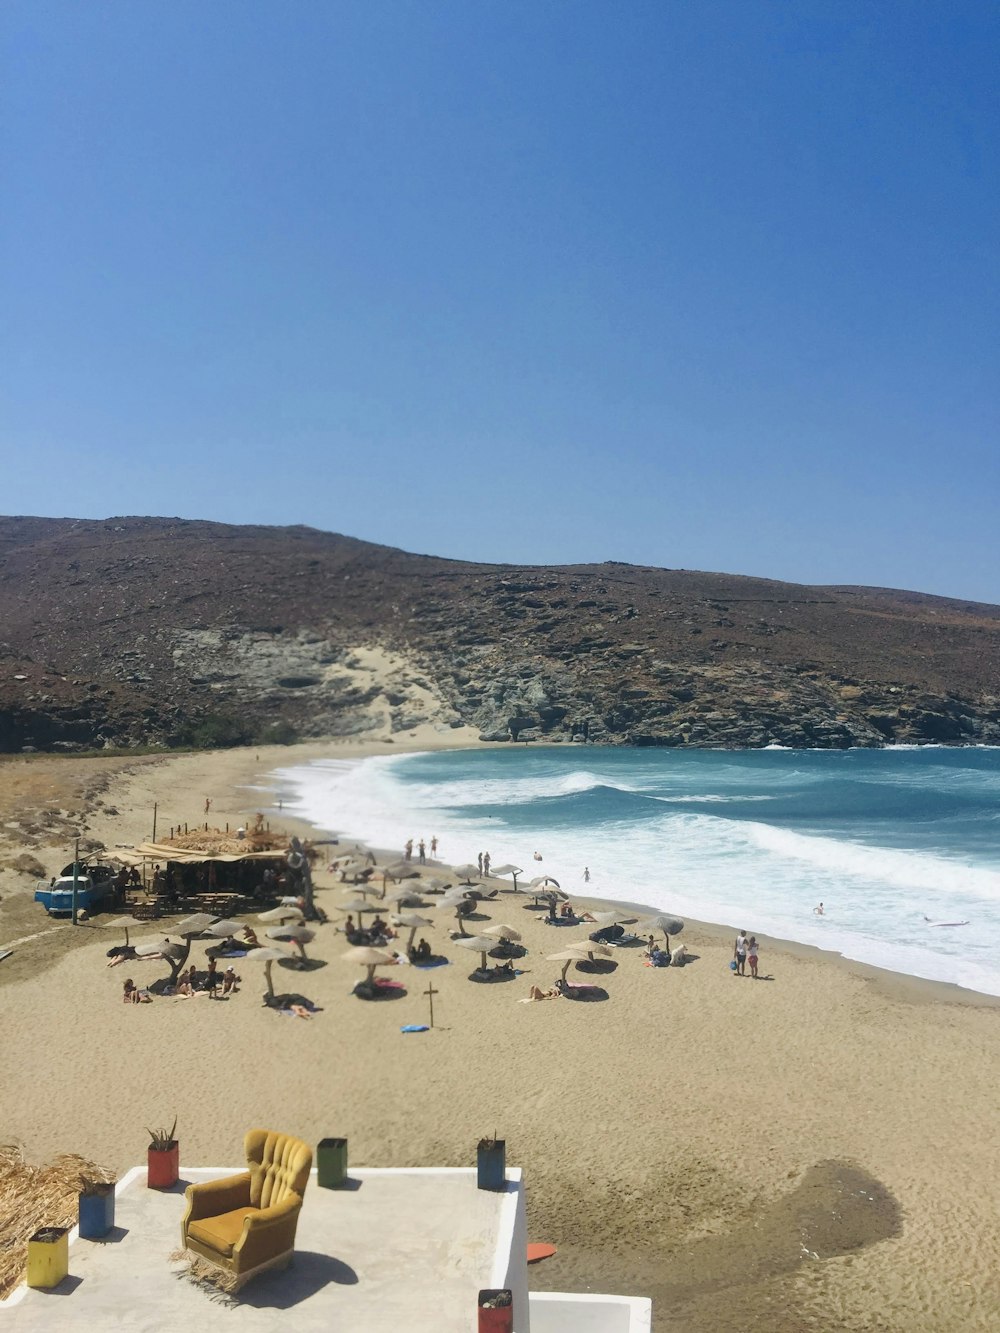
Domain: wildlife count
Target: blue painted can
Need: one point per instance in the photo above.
(97, 1214)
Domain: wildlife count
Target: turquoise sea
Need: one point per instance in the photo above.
(884, 838)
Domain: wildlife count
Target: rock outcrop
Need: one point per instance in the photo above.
(157, 631)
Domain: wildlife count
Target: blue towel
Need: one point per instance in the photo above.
(438, 962)
(415, 1027)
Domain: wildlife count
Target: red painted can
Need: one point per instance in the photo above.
(493, 1317)
(162, 1168)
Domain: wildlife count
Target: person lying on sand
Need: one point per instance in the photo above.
(121, 953)
(536, 993)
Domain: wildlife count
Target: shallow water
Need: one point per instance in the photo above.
(756, 839)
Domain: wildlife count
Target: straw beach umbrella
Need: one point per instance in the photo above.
(358, 905)
(300, 936)
(369, 958)
(506, 933)
(414, 922)
(405, 897)
(221, 929)
(267, 956)
(566, 956)
(282, 914)
(506, 937)
(507, 870)
(467, 873)
(668, 924)
(434, 884)
(478, 943)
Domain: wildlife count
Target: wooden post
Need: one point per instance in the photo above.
(153, 839)
(430, 992)
(76, 877)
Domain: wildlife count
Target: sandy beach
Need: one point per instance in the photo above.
(817, 1150)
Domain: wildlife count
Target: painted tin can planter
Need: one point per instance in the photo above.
(162, 1166)
(496, 1310)
(491, 1164)
(48, 1257)
(97, 1211)
(331, 1163)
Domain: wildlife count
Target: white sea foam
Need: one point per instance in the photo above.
(745, 872)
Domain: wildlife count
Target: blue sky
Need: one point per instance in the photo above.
(692, 284)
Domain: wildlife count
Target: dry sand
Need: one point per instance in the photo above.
(819, 1150)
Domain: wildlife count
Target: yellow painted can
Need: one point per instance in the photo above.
(48, 1257)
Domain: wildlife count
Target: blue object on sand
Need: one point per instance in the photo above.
(733, 965)
(415, 1027)
(438, 962)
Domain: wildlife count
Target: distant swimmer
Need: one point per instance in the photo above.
(819, 910)
(537, 856)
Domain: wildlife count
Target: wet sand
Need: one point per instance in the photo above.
(813, 1151)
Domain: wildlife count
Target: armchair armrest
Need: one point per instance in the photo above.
(217, 1196)
(268, 1232)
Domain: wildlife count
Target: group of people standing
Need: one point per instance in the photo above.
(421, 850)
(746, 950)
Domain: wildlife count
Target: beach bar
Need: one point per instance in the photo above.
(400, 1249)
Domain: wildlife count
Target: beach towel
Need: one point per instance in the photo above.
(438, 962)
(415, 1027)
(386, 984)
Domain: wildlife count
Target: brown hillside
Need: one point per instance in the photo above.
(139, 630)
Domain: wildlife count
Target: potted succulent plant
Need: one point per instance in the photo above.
(163, 1157)
(97, 1208)
(496, 1310)
(491, 1163)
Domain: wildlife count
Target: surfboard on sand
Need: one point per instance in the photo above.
(539, 1250)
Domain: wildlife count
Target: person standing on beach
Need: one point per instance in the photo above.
(753, 955)
(422, 852)
(740, 953)
(434, 846)
(408, 850)
(486, 864)
(480, 858)
(586, 874)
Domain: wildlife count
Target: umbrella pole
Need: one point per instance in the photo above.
(409, 942)
(267, 977)
(566, 968)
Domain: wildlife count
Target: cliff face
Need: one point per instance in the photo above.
(138, 630)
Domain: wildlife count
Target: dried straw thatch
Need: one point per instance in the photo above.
(37, 1196)
(220, 1283)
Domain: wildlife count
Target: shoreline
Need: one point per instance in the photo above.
(916, 988)
(736, 1126)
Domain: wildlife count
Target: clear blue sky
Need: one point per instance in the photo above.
(693, 284)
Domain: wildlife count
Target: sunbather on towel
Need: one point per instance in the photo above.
(536, 993)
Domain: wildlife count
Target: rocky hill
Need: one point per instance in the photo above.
(145, 630)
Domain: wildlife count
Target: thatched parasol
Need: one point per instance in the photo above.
(369, 958)
(300, 936)
(507, 870)
(414, 922)
(506, 933)
(267, 956)
(480, 944)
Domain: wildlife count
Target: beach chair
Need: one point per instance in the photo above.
(245, 1224)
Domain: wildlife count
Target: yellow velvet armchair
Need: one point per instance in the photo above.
(246, 1223)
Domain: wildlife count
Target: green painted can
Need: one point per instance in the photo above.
(331, 1163)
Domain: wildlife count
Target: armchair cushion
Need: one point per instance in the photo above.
(222, 1231)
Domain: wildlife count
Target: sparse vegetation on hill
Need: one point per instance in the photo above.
(147, 631)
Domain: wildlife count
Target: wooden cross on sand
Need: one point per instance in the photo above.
(430, 992)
